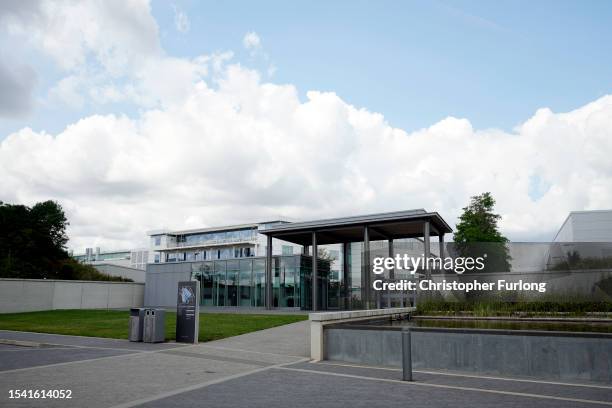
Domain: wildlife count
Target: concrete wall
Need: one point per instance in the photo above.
(161, 283)
(137, 275)
(26, 295)
(319, 320)
(542, 356)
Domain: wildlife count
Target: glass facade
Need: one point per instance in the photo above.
(203, 254)
(241, 282)
(220, 237)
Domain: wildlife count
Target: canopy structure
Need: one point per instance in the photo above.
(363, 228)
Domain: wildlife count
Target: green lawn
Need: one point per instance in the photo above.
(114, 324)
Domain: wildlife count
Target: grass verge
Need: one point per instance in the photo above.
(114, 323)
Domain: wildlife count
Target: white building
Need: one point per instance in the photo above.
(134, 258)
(586, 226)
(129, 264)
(212, 243)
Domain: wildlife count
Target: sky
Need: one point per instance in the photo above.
(138, 115)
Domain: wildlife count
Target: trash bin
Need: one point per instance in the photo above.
(136, 323)
(154, 326)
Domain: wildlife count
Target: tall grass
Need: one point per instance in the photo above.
(491, 307)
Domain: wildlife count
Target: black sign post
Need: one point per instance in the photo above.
(188, 312)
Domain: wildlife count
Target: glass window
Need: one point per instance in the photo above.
(246, 284)
(219, 287)
(205, 271)
(287, 250)
(225, 253)
(157, 240)
(259, 282)
(288, 288)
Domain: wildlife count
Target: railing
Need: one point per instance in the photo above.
(213, 242)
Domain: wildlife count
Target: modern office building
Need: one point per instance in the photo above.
(129, 264)
(288, 265)
(135, 258)
(216, 243)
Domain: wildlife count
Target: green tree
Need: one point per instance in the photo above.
(32, 240)
(33, 244)
(477, 234)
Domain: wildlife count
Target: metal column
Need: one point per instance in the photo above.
(315, 273)
(346, 274)
(441, 243)
(427, 254)
(406, 355)
(269, 274)
(366, 265)
(391, 271)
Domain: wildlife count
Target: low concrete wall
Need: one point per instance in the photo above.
(319, 320)
(542, 355)
(137, 275)
(26, 295)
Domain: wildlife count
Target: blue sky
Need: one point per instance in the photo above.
(323, 109)
(494, 63)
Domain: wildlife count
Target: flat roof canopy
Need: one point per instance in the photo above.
(383, 226)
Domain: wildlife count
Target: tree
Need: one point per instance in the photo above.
(33, 244)
(32, 240)
(477, 234)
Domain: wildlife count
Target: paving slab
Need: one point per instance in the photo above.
(35, 357)
(291, 339)
(223, 349)
(530, 386)
(108, 372)
(111, 381)
(82, 341)
(281, 388)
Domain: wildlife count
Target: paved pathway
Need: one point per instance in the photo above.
(108, 372)
(261, 369)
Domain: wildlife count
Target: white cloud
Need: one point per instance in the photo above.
(215, 144)
(251, 42)
(17, 83)
(271, 70)
(68, 91)
(99, 45)
(181, 21)
(244, 150)
(118, 34)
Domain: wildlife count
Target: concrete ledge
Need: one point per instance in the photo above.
(328, 317)
(318, 320)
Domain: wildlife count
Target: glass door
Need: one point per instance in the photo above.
(219, 287)
(233, 272)
(246, 282)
